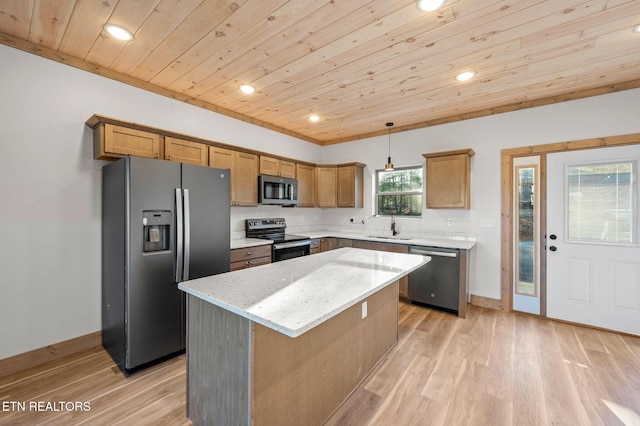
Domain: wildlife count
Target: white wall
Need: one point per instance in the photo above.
(50, 201)
(608, 115)
(50, 184)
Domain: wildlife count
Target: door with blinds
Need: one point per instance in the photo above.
(593, 256)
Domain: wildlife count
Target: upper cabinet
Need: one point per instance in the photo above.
(327, 186)
(449, 179)
(350, 180)
(276, 167)
(183, 151)
(244, 174)
(111, 141)
(306, 185)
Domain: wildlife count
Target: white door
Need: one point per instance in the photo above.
(593, 256)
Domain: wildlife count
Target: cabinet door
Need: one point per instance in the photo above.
(448, 181)
(269, 166)
(345, 242)
(328, 243)
(288, 169)
(327, 187)
(350, 193)
(306, 185)
(246, 179)
(182, 151)
(123, 141)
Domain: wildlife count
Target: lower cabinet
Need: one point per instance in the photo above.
(315, 246)
(242, 258)
(328, 243)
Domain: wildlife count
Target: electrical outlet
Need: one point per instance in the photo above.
(450, 221)
(486, 223)
(364, 310)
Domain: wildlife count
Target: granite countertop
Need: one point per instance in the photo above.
(295, 295)
(452, 243)
(249, 242)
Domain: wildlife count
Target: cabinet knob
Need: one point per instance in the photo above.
(248, 253)
(156, 155)
(169, 157)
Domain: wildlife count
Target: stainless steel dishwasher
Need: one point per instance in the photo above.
(436, 284)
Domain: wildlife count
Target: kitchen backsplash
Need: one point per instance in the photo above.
(301, 220)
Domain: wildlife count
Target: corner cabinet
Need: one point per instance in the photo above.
(449, 179)
(244, 174)
(350, 187)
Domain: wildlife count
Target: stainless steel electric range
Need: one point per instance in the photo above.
(285, 246)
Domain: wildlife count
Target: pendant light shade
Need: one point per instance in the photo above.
(389, 166)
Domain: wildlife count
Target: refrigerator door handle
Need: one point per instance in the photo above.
(187, 236)
(179, 235)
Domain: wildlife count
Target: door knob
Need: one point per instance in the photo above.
(553, 248)
(553, 236)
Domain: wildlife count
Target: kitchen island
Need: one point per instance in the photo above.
(286, 343)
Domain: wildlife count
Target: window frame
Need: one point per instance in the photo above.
(420, 192)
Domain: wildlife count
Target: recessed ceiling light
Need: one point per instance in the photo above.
(118, 32)
(247, 89)
(430, 5)
(636, 29)
(464, 76)
(314, 118)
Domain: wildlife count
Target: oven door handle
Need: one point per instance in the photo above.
(292, 244)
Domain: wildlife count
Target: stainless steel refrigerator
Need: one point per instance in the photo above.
(162, 223)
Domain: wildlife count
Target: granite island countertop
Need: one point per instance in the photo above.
(295, 295)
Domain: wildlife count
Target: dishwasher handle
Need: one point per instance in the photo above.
(433, 253)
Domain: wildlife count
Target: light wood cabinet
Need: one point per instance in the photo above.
(243, 258)
(327, 186)
(345, 242)
(306, 176)
(395, 248)
(350, 181)
(449, 179)
(244, 174)
(328, 243)
(184, 151)
(276, 167)
(111, 141)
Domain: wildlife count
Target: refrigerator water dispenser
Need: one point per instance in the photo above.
(157, 230)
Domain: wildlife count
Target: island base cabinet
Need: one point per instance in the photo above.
(240, 372)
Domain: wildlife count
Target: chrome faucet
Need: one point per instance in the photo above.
(393, 225)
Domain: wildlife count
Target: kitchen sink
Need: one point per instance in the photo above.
(384, 237)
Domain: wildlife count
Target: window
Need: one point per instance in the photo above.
(600, 202)
(526, 223)
(399, 192)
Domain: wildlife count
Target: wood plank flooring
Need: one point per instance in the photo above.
(492, 368)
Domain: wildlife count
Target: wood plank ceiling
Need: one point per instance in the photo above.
(355, 63)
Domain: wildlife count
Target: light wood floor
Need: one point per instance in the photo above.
(492, 368)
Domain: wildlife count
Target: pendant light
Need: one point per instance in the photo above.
(389, 166)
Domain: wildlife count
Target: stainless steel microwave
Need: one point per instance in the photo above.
(277, 190)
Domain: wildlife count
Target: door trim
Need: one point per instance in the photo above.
(507, 204)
